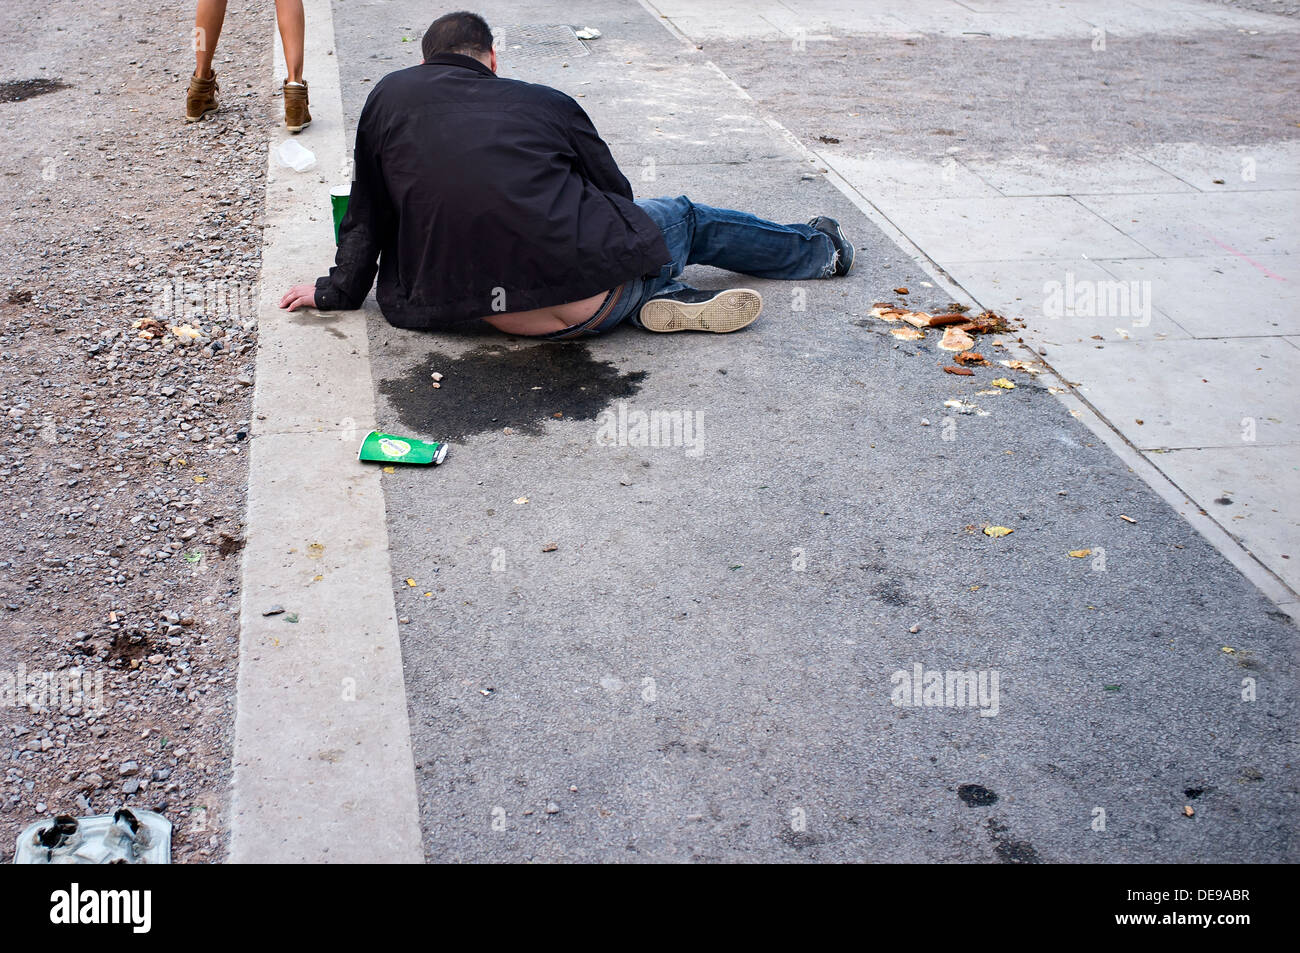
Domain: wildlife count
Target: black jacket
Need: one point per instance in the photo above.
(479, 194)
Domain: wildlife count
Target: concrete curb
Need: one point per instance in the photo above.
(323, 770)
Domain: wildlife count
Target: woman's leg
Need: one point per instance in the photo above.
(208, 17)
(289, 15)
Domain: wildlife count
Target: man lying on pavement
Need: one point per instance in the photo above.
(483, 198)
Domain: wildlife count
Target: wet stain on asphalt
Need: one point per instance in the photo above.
(16, 90)
(1009, 850)
(976, 795)
(494, 386)
(891, 593)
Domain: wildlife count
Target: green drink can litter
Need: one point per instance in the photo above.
(390, 448)
(339, 196)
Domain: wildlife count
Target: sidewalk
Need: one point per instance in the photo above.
(701, 666)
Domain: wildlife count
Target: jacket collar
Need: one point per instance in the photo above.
(458, 59)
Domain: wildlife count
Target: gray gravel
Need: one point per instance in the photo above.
(121, 456)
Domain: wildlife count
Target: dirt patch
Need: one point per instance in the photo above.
(982, 97)
(122, 455)
(16, 90)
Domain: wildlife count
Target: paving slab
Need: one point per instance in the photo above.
(1050, 295)
(967, 230)
(1248, 490)
(1045, 175)
(889, 177)
(1220, 297)
(1192, 393)
(1245, 224)
(1269, 166)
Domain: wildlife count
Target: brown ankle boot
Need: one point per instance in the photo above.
(296, 116)
(201, 100)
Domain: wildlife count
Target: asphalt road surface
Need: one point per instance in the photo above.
(704, 666)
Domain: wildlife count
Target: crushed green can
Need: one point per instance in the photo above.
(391, 448)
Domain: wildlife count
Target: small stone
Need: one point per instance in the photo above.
(550, 547)
(552, 807)
(274, 610)
(914, 629)
(130, 786)
(128, 768)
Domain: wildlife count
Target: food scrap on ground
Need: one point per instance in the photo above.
(1080, 553)
(962, 407)
(1003, 383)
(1029, 367)
(998, 531)
(920, 319)
(958, 328)
(149, 328)
(955, 339)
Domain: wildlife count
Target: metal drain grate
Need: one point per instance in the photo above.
(531, 42)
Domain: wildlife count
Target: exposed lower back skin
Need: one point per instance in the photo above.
(546, 320)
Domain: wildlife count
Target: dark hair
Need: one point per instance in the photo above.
(460, 32)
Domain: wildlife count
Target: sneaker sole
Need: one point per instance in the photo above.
(297, 128)
(203, 115)
(725, 312)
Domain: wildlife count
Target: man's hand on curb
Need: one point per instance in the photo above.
(299, 296)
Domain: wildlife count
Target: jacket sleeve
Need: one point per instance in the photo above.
(595, 163)
(363, 232)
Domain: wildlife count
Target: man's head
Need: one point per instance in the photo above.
(461, 32)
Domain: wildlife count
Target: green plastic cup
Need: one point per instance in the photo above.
(339, 200)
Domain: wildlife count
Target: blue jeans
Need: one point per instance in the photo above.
(702, 235)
